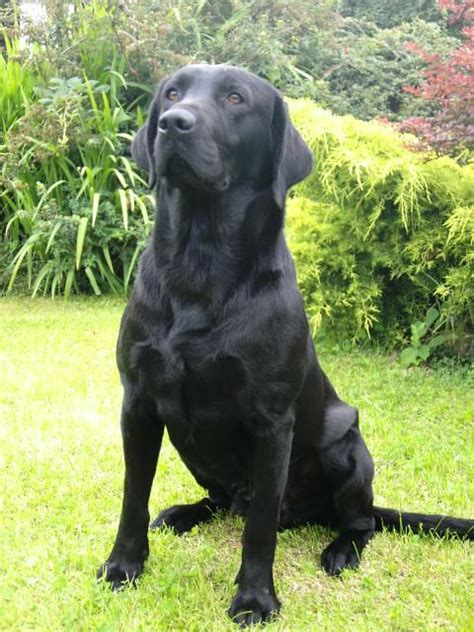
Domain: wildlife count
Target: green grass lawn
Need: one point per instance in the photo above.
(61, 463)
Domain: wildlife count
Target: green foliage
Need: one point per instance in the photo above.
(264, 36)
(74, 212)
(420, 350)
(76, 39)
(380, 234)
(390, 14)
(17, 82)
(349, 64)
(372, 66)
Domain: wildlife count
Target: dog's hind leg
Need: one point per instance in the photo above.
(349, 468)
(182, 518)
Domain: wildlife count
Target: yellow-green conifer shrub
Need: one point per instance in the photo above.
(381, 233)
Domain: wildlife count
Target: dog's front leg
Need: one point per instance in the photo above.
(142, 433)
(256, 600)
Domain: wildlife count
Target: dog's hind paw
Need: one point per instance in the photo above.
(182, 518)
(345, 551)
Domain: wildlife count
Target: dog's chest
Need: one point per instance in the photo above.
(192, 379)
(201, 398)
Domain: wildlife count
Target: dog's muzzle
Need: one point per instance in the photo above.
(176, 122)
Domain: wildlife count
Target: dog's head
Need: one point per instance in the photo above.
(214, 127)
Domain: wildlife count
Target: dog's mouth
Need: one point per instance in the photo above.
(181, 168)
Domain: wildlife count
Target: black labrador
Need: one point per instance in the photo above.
(214, 344)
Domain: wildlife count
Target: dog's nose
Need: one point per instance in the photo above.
(177, 120)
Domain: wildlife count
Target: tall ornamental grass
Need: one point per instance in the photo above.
(16, 87)
(381, 234)
(74, 211)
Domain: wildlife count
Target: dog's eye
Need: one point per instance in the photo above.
(235, 98)
(172, 94)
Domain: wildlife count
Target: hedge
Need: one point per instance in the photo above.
(380, 234)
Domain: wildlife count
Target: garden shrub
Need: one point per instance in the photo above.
(381, 234)
(351, 65)
(389, 14)
(371, 67)
(448, 84)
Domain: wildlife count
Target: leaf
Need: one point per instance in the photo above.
(108, 258)
(57, 226)
(408, 356)
(81, 235)
(19, 258)
(128, 169)
(68, 284)
(144, 210)
(130, 268)
(46, 269)
(95, 207)
(418, 330)
(120, 178)
(131, 197)
(54, 284)
(431, 315)
(93, 281)
(124, 205)
(114, 284)
(29, 266)
(424, 352)
(46, 194)
(438, 340)
(120, 77)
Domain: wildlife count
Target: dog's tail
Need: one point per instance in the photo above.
(399, 520)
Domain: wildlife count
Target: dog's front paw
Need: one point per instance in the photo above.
(253, 606)
(119, 572)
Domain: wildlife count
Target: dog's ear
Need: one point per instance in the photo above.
(293, 160)
(143, 144)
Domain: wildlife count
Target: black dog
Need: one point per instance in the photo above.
(215, 345)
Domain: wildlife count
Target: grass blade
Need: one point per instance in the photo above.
(52, 236)
(81, 235)
(19, 259)
(95, 207)
(93, 281)
(68, 285)
(108, 258)
(124, 205)
(131, 267)
(46, 269)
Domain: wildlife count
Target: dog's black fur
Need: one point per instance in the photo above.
(214, 344)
